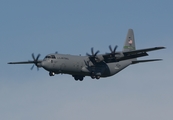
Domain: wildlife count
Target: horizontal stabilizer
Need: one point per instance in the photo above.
(143, 50)
(141, 61)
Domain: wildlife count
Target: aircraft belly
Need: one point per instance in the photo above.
(114, 68)
(67, 67)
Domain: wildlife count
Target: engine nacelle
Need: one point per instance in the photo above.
(99, 58)
(119, 55)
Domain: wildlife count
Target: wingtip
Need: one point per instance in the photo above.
(158, 59)
(162, 47)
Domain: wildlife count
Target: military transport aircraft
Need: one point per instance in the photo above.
(94, 65)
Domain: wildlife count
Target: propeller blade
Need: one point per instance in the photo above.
(35, 61)
(92, 51)
(88, 54)
(32, 67)
(110, 48)
(115, 48)
(113, 51)
(33, 56)
(37, 57)
(86, 63)
(93, 56)
(96, 53)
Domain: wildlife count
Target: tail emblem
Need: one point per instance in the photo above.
(130, 42)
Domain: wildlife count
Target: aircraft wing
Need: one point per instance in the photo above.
(124, 55)
(36, 62)
(24, 62)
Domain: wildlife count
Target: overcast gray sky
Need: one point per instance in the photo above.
(142, 91)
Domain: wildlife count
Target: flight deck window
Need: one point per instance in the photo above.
(53, 56)
(48, 57)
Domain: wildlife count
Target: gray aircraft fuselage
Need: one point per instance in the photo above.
(76, 65)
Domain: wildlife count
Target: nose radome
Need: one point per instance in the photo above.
(43, 63)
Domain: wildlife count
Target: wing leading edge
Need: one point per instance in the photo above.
(25, 62)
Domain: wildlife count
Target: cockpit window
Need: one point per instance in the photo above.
(51, 56)
(47, 57)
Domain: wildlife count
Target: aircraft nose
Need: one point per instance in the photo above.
(43, 64)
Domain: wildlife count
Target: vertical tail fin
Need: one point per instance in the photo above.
(129, 44)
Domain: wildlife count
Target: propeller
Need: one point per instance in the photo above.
(113, 51)
(35, 61)
(93, 55)
(87, 63)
